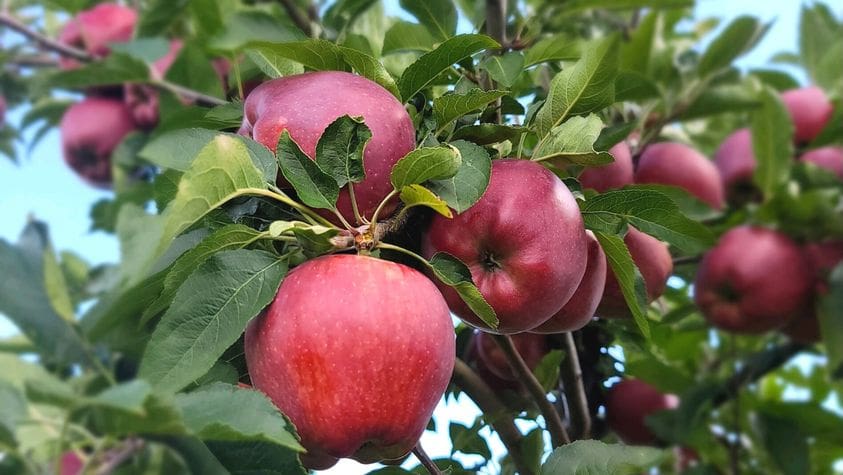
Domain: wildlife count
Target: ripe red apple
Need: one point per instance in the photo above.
(754, 280)
(581, 307)
(810, 109)
(356, 351)
(523, 241)
(530, 346)
(306, 104)
(652, 258)
(735, 160)
(829, 158)
(614, 175)
(823, 258)
(676, 164)
(629, 403)
(92, 30)
(90, 131)
(70, 464)
(142, 99)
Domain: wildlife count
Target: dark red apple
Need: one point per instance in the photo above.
(829, 158)
(306, 104)
(753, 281)
(629, 403)
(614, 175)
(70, 464)
(523, 241)
(92, 30)
(142, 99)
(530, 346)
(581, 307)
(823, 258)
(676, 164)
(90, 131)
(652, 258)
(735, 160)
(810, 109)
(357, 352)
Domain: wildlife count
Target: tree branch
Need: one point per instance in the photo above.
(115, 457)
(420, 454)
(574, 388)
(301, 21)
(756, 367)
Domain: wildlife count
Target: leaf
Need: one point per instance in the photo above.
(462, 190)
(632, 86)
(316, 54)
(817, 32)
(342, 13)
(251, 458)
(719, 100)
(504, 69)
(207, 413)
(585, 457)
(273, 64)
(339, 151)
(244, 27)
(651, 212)
(585, 87)
(403, 36)
(573, 142)
(554, 48)
(12, 410)
(314, 187)
(576, 5)
(417, 195)
(119, 305)
(613, 135)
(831, 322)
(547, 371)
(629, 278)
(314, 240)
(439, 16)
(426, 163)
(786, 444)
(131, 408)
(147, 50)
(740, 36)
(486, 134)
(772, 142)
(450, 107)
(209, 313)
(637, 53)
(115, 69)
(424, 70)
(454, 273)
(370, 68)
(468, 440)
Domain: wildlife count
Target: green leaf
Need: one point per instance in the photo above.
(245, 27)
(342, 13)
(426, 163)
(454, 273)
(370, 68)
(340, 149)
(468, 440)
(450, 107)
(547, 371)
(772, 142)
(404, 36)
(193, 69)
(651, 212)
(554, 48)
(315, 187)
(12, 410)
(637, 53)
(818, 31)
(576, 5)
(209, 313)
(131, 408)
(417, 195)
(587, 86)
(439, 16)
(424, 70)
(585, 457)
(314, 240)
(56, 286)
(742, 34)
(147, 50)
(785, 443)
(207, 413)
(629, 278)
(573, 142)
(504, 69)
(273, 64)
(831, 322)
(462, 190)
(120, 305)
(632, 86)
(613, 135)
(251, 458)
(316, 54)
(486, 134)
(721, 99)
(115, 69)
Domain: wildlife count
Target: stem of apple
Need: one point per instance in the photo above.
(425, 460)
(309, 214)
(383, 203)
(558, 434)
(574, 389)
(342, 219)
(354, 209)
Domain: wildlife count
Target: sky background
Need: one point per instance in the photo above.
(43, 187)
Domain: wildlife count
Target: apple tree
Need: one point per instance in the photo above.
(579, 219)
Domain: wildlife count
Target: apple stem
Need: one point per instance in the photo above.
(425, 460)
(574, 389)
(354, 209)
(279, 195)
(342, 219)
(558, 434)
(383, 203)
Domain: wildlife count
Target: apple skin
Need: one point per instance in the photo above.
(754, 280)
(2, 111)
(810, 109)
(652, 258)
(823, 258)
(530, 346)
(676, 164)
(614, 175)
(357, 352)
(142, 99)
(735, 161)
(70, 464)
(523, 241)
(581, 307)
(90, 131)
(829, 158)
(629, 403)
(305, 104)
(93, 29)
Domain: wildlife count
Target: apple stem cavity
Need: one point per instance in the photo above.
(425, 460)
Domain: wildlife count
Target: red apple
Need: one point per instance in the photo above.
(753, 281)
(614, 175)
(652, 258)
(306, 104)
(2, 111)
(629, 403)
(142, 99)
(676, 164)
(356, 351)
(92, 30)
(735, 160)
(494, 381)
(810, 109)
(90, 131)
(581, 307)
(823, 258)
(530, 346)
(829, 158)
(70, 464)
(523, 241)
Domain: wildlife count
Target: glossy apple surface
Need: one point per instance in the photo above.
(810, 109)
(614, 175)
(523, 241)
(629, 403)
(676, 164)
(357, 352)
(735, 161)
(530, 346)
(828, 158)
(92, 30)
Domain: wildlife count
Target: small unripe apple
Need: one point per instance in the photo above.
(305, 104)
(829, 158)
(142, 99)
(823, 257)
(581, 307)
(810, 109)
(676, 164)
(357, 352)
(652, 258)
(735, 160)
(523, 241)
(629, 403)
(530, 346)
(753, 281)
(614, 175)
(90, 131)
(92, 30)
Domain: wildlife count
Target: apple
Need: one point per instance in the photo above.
(676, 164)
(2, 111)
(823, 257)
(70, 464)
(829, 158)
(652, 258)
(530, 346)
(90, 131)
(357, 352)
(810, 109)
(523, 241)
(142, 99)
(629, 403)
(305, 104)
(92, 30)
(754, 280)
(614, 175)
(735, 161)
(581, 307)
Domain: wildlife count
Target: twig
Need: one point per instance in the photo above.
(496, 28)
(420, 454)
(115, 457)
(678, 261)
(558, 434)
(759, 365)
(189, 94)
(575, 390)
(296, 15)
